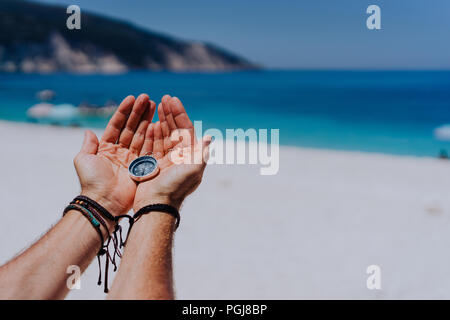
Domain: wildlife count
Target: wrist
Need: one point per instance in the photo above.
(172, 214)
(157, 199)
(105, 203)
(101, 200)
(157, 218)
(80, 218)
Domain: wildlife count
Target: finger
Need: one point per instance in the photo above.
(182, 120)
(201, 151)
(205, 156)
(162, 119)
(90, 143)
(152, 110)
(179, 113)
(149, 139)
(166, 98)
(177, 136)
(118, 120)
(165, 129)
(126, 136)
(206, 142)
(139, 137)
(168, 113)
(158, 142)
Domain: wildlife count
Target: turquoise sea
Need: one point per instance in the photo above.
(392, 112)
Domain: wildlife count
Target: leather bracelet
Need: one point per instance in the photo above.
(105, 213)
(99, 211)
(160, 208)
(93, 211)
(90, 216)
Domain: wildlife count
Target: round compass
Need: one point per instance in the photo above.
(143, 168)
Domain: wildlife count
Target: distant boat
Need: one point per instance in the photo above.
(68, 114)
(62, 114)
(90, 110)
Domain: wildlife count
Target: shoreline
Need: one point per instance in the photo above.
(99, 131)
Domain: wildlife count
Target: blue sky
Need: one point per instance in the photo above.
(317, 34)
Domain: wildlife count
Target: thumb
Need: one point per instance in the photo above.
(206, 141)
(90, 143)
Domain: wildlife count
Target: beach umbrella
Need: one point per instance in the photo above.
(40, 110)
(442, 132)
(63, 112)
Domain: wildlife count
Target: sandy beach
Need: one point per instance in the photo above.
(308, 232)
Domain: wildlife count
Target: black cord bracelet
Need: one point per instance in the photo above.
(161, 208)
(105, 213)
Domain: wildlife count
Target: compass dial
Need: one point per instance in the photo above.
(143, 167)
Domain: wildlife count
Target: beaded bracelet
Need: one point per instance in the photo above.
(88, 214)
(92, 209)
(105, 213)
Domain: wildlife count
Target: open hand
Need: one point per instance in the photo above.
(175, 180)
(102, 167)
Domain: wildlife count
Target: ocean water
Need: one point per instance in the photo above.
(393, 112)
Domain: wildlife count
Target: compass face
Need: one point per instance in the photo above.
(143, 166)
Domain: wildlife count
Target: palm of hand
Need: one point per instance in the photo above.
(102, 166)
(175, 180)
(172, 184)
(106, 174)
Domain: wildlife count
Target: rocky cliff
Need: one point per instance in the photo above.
(34, 38)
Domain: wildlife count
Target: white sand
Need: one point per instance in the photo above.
(308, 232)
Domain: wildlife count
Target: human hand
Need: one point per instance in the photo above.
(102, 167)
(176, 179)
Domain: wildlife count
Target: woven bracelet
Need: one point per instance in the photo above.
(160, 208)
(89, 215)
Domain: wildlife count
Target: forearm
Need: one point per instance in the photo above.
(146, 268)
(41, 271)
